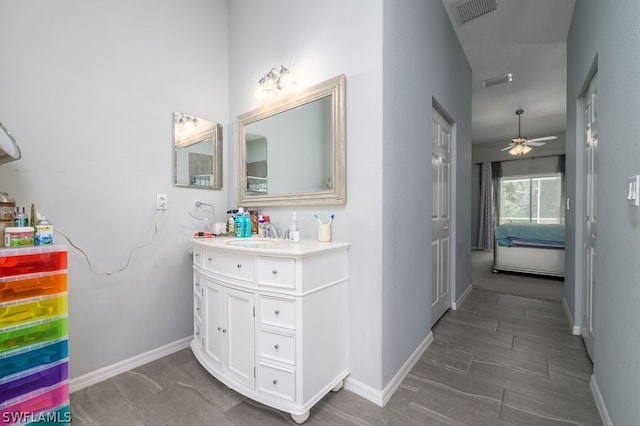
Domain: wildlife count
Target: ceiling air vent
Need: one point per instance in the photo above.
(506, 78)
(468, 10)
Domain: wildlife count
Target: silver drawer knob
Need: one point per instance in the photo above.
(210, 259)
(224, 330)
(276, 346)
(239, 265)
(274, 272)
(197, 255)
(219, 328)
(275, 381)
(277, 312)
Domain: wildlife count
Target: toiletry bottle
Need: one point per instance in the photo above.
(294, 235)
(239, 223)
(21, 218)
(247, 225)
(43, 232)
(260, 226)
(231, 222)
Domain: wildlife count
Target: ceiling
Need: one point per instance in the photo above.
(526, 38)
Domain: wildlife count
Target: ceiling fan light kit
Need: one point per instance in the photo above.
(522, 145)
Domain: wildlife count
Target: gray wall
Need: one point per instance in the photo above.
(326, 39)
(423, 61)
(92, 110)
(88, 90)
(608, 30)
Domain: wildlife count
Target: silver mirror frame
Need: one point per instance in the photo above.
(334, 87)
(216, 136)
(7, 142)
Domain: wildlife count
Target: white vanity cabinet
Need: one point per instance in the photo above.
(270, 318)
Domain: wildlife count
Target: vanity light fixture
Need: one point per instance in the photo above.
(274, 82)
(187, 122)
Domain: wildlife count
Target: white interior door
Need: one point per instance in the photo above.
(440, 217)
(591, 216)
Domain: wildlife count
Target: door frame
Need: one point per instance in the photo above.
(453, 178)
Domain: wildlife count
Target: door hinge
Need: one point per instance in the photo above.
(254, 372)
(254, 311)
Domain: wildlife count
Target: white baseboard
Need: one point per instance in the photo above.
(575, 329)
(381, 397)
(597, 396)
(110, 371)
(463, 296)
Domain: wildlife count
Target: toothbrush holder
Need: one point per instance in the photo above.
(324, 232)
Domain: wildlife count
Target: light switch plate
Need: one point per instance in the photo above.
(161, 201)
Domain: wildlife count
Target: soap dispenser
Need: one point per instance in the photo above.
(294, 234)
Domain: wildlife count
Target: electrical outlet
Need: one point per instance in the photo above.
(161, 201)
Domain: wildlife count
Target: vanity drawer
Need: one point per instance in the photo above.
(277, 311)
(276, 272)
(277, 381)
(230, 265)
(277, 346)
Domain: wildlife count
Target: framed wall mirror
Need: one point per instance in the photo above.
(197, 152)
(292, 151)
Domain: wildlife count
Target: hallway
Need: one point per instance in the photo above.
(498, 360)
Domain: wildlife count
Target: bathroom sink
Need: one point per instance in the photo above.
(254, 243)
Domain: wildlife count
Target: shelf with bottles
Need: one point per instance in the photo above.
(257, 184)
(201, 180)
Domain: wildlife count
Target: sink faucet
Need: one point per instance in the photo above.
(270, 230)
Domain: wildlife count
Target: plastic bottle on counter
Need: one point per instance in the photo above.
(43, 232)
(239, 223)
(231, 222)
(260, 226)
(247, 225)
(294, 234)
(21, 219)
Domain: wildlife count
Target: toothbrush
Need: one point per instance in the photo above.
(332, 216)
(317, 218)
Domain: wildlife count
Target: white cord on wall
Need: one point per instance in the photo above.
(155, 233)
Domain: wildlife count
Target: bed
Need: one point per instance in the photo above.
(529, 248)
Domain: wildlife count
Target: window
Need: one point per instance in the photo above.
(531, 199)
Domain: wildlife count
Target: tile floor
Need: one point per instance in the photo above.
(498, 360)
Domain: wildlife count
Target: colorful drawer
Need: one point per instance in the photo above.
(34, 355)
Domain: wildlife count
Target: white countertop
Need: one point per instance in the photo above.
(259, 245)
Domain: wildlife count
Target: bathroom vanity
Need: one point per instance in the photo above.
(270, 318)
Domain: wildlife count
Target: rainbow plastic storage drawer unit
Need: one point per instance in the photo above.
(34, 355)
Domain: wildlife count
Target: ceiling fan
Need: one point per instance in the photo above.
(522, 145)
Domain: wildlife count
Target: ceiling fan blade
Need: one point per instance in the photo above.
(509, 147)
(546, 138)
(534, 143)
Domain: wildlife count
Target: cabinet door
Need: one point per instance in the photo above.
(240, 336)
(213, 322)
